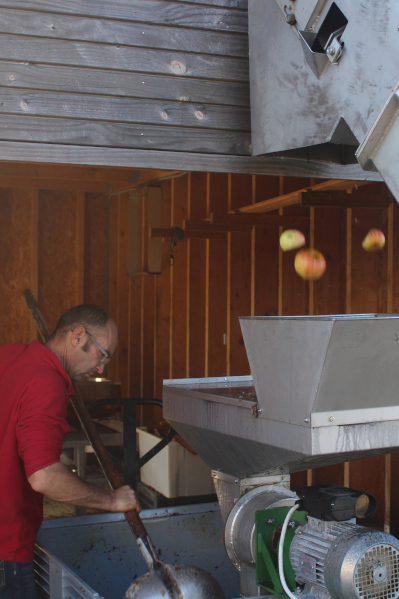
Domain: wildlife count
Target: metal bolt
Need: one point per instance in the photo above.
(260, 410)
(331, 51)
(290, 19)
(271, 521)
(291, 524)
(331, 419)
(307, 420)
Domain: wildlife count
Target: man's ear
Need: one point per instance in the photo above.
(77, 335)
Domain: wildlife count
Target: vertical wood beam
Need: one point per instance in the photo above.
(253, 251)
(188, 262)
(228, 286)
(34, 255)
(80, 246)
(207, 275)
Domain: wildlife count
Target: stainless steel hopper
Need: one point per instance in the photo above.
(325, 389)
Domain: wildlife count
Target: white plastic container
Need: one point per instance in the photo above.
(174, 471)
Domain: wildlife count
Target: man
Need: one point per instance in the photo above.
(35, 387)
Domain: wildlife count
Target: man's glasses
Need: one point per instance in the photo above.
(106, 356)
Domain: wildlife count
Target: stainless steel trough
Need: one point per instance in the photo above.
(325, 389)
(96, 557)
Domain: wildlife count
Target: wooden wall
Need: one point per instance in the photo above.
(70, 245)
(154, 75)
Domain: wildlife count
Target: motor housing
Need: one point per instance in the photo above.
(345, 560)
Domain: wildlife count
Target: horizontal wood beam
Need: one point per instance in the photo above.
(190, 161)
(343, 199)
(200, 234)
(75, 178)
(204, 225)
(258, 220)
(294, 197)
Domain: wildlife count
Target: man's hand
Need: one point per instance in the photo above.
(124, 499)
(59, 483)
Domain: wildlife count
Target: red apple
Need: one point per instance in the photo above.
(310, 264)
(374, 240)
(291, 239)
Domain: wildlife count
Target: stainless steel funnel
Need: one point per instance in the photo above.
(325, 389)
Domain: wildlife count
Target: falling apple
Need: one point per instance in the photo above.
(291, 239)
(310, 264)
(374, 240)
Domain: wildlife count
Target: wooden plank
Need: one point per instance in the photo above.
(123, 58)
(265, 300)
(45, 25)
(367, 199)
(122, 314)
(154, 219)
(34, 260)
(126, 135)
(294, 290)
(75, 154)
(151, 11)
(108, 176)
(163, 302)
(135, 338)
(179, 336)
(369, 269)
(395, 264)
(118, 83)
(54, 184)
(240, 278)
(197, 279)
(96, 250)
(330, 239)
(258, 220)
(292, 198)
(80, 246)
(135, 241)
(216, 350)
(17, 238)
(148, 319)
(126, 110)
(201, 234)
(112, 278)
(57, 254)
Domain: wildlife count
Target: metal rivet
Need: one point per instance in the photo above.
(290, 19)
(306, 420)
(331, 419)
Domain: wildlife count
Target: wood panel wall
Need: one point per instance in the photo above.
(71, 246)
(154, 75)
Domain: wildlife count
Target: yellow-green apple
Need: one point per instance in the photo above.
(310, 264)
(374, 240)
(291, 239)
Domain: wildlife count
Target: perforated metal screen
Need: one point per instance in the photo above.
(377, 573)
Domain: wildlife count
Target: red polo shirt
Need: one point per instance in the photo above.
(34, 394)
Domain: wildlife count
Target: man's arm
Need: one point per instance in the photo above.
(59, 483)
